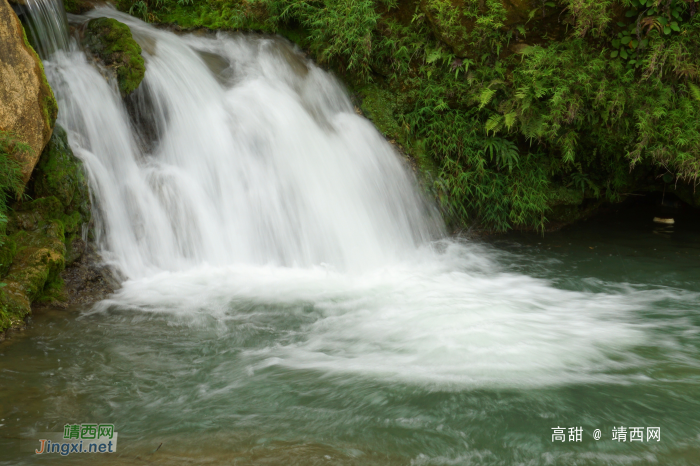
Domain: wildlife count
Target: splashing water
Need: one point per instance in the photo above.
(264, 163)
(243, 175)
(290, 298)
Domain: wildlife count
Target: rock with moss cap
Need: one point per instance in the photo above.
(111, 42)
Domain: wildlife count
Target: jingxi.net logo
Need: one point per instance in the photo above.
(79, 438)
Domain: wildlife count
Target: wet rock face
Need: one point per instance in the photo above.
(45, 233)
(111, 42)
(28, 108)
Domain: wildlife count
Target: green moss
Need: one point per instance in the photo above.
(32, 215)
(62, 193)
(12, 151)
(379, 105)
(45, 232)
(39, 260)
(565, 204)
(112, 42)
(49, 105)
(297, 35)
(59, 173)
(53, 291)
(72, 223)
(561, 195)
(76, 7)
(428, 170)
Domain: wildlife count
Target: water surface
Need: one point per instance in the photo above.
(594, 326)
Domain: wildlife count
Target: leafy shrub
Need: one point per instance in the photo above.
(512, 105)
(11, 185)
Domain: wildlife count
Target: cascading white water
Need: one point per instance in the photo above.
(48, 25)
(250, 182)
(264, 163)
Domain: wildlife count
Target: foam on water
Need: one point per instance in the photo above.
(448, 319)
(249, 179)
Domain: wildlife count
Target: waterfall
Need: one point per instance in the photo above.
(259, 158)
(239, 181)
(48, 25)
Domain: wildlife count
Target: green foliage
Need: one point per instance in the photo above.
(499, 199)
(465, 25)
(338, 29)
(591, 16)
(11, 185)
(511, 128)
(651, 21)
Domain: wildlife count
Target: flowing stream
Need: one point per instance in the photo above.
(289, 296)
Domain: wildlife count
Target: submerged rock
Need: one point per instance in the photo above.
(28, 108)
(112, 43)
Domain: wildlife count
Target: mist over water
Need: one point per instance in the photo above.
(285, 280)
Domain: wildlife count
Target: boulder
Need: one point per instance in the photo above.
(111, 42)
(28, 108)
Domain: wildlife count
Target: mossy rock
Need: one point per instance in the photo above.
(77, 7)
(61, 192)
(568, 205)
(565, 205)
(60, 173)
(112, 43)
(28, 108)
(686, 192)
(45, 232)
(379, 105)
(32, 215)
(37, 263)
